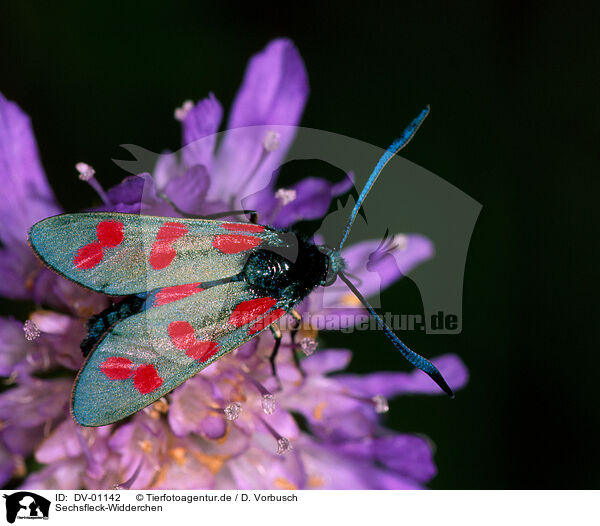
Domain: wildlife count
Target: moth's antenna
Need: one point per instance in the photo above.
(416, 359)
(394, 148)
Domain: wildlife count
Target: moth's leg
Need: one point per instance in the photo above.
(276, 331)
(252, 213)
(294, 332)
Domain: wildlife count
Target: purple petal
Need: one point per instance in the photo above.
(261, 468)
(408, 455)
(68, 440)
(15, 266)
(188, 191)
(165, 169)
(327, 469)
(344, 426)
(62, 443)
(334, 413)
(273, 92)
(64, 474)
(391, 384)
(63, 295)
(34, 402)
(274, 89)
(338, 306)
(129, 191)
(18, 355)
(327, 361)
(313, 197)
(283, 422)
(29, 198)
(212, 426)
(13, 345)
(184, 467)
(199, 128)
(137, 194)
(375, 269)
(142, 441)
(248, 349)
(21, 440)
(190, 410)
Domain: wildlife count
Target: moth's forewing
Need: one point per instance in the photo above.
(121, 254)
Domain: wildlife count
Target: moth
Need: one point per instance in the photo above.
(194, 290)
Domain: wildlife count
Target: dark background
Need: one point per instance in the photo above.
(513, 88)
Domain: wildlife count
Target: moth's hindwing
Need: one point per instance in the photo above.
(182, 330)
(121, 254)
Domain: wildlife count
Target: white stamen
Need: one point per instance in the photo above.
(381, 404)
(182, 112)
(283, 445)
(232, 411)
(86, 172)
(31, 330)
(271, 141)
(400, 242)
(308, 346)
(268, 403)
(285, 196)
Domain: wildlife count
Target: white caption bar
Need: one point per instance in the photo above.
(343, 508)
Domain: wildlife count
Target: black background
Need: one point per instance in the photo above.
(513, 88)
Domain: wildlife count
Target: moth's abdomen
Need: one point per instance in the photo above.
(98, 325)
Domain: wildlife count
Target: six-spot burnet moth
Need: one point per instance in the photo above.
(195, 289)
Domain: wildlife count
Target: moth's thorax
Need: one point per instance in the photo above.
(290, 273)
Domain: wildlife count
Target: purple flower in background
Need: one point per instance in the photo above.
(230, 426)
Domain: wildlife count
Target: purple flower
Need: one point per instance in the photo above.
(233, 425)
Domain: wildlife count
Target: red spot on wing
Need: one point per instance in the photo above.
(145, 376)
(171, 232)
(88, 256)
(178, 292)
(233, 244)
(248, 311)
(110, 233)
(246, 227)
(183, 338)
(163, 253)
(266, 321)
(202, 351)
(117, 368)
(181, 334)
(146, 379)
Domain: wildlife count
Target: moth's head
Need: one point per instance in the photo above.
(335, 264)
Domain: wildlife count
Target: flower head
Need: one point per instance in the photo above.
(234, 425)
